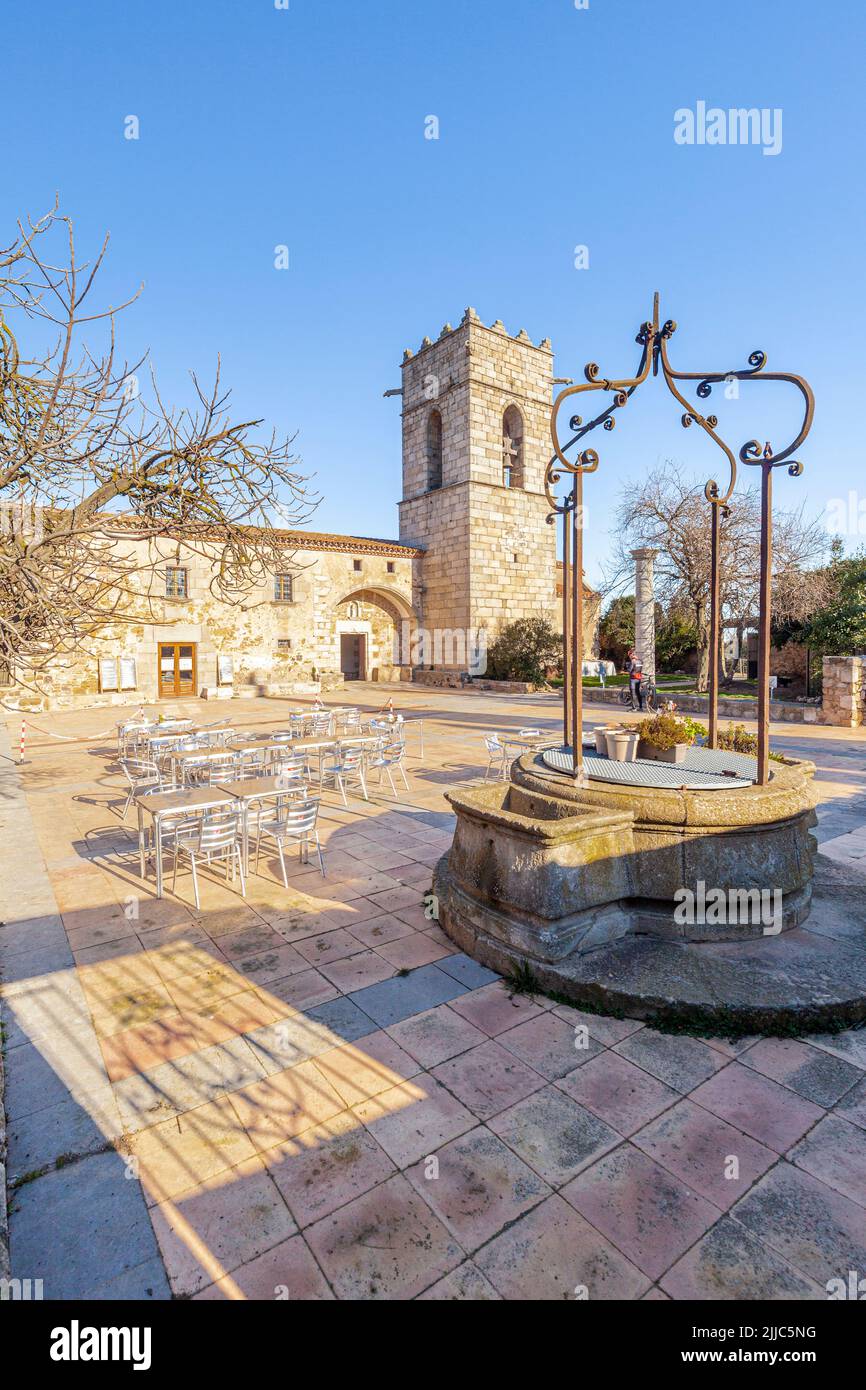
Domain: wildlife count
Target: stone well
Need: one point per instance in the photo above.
(579, 885)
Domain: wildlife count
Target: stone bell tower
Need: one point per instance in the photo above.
(476, 441)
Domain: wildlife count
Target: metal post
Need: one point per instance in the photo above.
(566, 628)
(764, 614)
(577, 646)
(715, 634)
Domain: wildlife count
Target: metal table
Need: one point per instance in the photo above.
(247, 791)
(167, 805)
(178, 760)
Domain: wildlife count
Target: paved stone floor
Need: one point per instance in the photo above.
(310, 1094)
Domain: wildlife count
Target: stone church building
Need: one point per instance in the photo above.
(474, 552)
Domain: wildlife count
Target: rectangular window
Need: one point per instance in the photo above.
(356, 565)
(176, 585)
(390, 566)
(5, 671)
(283, 588)
(284, 644)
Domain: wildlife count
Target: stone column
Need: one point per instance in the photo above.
(645, 609)
(843, 700)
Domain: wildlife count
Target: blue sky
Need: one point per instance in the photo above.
(305, 127)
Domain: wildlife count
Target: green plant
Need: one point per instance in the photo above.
(666, 731)
(522, 980)
(525, 650)
(616, 629)
(737, 739)
(695, 727)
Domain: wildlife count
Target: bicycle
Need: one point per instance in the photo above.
(649, 692)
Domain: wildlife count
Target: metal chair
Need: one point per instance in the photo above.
(290, 765)
(252, 762)
(387, 756)
(227, 768)
(143, 775)
(497, 756)
(344, 768)
(293, 824)
(218, 837)
(321, 722)
(129, 733)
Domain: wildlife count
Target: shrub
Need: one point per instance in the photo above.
(525, 650)
(737, 739)
(666, 730)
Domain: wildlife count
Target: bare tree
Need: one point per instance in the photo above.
(669, 512)
(91, 465)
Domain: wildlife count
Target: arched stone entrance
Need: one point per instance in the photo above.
(373, 632)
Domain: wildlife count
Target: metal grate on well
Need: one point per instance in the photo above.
(702, 769)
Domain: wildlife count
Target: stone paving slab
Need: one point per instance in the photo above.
(313, 1092)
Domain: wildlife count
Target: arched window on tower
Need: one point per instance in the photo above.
(512, 448)
(434, 450)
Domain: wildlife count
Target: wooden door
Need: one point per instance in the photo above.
(352, 653)
(177, 669)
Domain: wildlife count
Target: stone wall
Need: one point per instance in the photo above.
(364, 587)
(791, 662)
(844, 691)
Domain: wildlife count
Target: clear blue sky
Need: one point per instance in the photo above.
(305, 126)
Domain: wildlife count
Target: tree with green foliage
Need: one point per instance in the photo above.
(838, 628)
(525, 650)
(676, 639)
(616, 630)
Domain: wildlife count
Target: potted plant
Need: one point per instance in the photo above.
(622, 743)
(666, 739)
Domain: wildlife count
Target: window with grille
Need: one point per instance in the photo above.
(176, 584)
(283, 585)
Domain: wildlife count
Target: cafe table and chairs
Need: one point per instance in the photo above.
(164, 814)
(259, 751)
(129, 731)
(254, 794)
(185, 763)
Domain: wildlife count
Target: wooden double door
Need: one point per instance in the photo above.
(177, 669)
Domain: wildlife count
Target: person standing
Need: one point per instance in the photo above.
(601, 674)
(634, 670)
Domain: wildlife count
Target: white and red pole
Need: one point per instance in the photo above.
(21, 745)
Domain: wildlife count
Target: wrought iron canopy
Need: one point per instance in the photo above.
(654, 342)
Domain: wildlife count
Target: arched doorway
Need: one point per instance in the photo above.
(373, 632)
